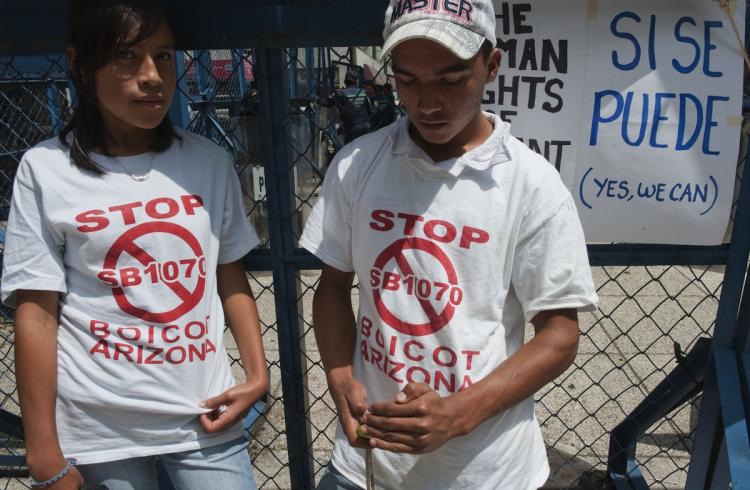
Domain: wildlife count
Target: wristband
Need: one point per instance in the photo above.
(54, 479)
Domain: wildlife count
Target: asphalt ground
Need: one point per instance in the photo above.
(626, 349)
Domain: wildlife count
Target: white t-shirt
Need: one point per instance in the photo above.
(452, 259)
(140, 343)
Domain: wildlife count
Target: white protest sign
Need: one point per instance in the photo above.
(637, 103)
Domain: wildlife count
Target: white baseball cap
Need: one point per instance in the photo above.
(459, 25)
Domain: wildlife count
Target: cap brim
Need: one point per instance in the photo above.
(460, 41)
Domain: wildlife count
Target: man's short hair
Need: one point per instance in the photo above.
(486, 50)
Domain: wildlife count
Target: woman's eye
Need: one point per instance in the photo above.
(126, 54)
(165, 56)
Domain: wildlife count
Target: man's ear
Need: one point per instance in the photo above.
(493, 64)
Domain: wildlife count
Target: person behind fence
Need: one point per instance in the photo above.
(459, 235)
(123, 258)
(383, 104)
(354, 106)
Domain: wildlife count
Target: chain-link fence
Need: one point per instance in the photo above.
(275, 113)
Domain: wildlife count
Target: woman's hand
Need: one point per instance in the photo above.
(231, 406)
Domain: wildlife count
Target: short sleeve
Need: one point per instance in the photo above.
(33, 253)
(328, 231)
(551, 268)
(237, 234)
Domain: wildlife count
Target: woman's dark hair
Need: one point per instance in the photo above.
(97, 30)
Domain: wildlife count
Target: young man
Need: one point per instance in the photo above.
(459, 235)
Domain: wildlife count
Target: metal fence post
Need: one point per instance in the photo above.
(238, 61)
(179, 111)
(203, 69)
(708, 427)
(312, 86)
(52, 108)
(293, 74)
(274, 111)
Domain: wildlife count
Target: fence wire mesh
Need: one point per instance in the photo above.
(627, 346)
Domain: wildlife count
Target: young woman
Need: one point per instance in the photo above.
(123, 258)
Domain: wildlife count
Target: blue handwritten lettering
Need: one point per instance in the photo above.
(615, 189)
(689, 193)
(601, 185)
(626, 120)
(709, 46)
(652, 43)
(618, 29)
(658, 118)
(647, 191)
(681, 145)
(622, 190)
(660, 188)
(691, 108)
(626, 35)
(710, 123)
(687, 40)
(598, 118)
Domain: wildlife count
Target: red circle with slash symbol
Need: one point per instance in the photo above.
(126, 243)
(436, 320)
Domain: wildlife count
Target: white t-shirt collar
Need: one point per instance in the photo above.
(494, 150)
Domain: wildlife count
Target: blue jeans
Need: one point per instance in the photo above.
(333, 480)
(226, 466)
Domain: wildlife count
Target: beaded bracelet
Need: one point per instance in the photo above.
(54, 479)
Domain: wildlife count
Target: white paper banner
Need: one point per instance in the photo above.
(637, 103)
